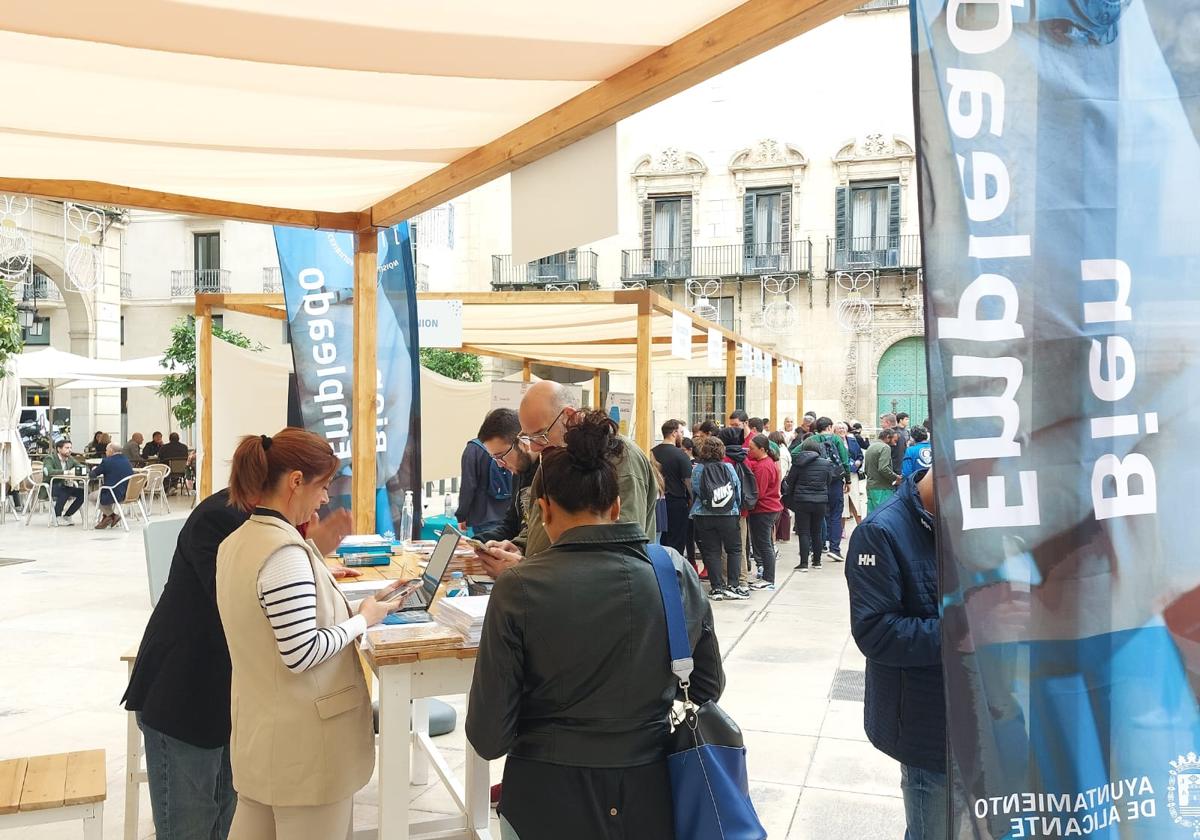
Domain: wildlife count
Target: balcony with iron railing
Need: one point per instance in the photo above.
(570, 270)
(876, 5)
(648, 265)
(422, 277)
(878, 253)
(200, 281)
(272, 280)
(41, 288)
(126, 286)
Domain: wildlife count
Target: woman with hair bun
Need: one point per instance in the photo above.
(572, 681)
(302, 741)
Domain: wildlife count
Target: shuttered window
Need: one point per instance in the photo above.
(667, 236)
(867, 224)
(766, 228)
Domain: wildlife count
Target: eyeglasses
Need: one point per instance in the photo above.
(541, 438)
(499, 458)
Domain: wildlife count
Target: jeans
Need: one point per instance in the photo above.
(809, 517)
(714, 533)
(833, 516)
(676, 531)
(191, 788)
(762, 535)
(926, 805)
(63, 493)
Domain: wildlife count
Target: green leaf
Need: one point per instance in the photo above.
(11, 340)
(465, 367)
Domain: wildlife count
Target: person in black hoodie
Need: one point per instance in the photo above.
(806, 494)
(734, 438)
(522, 463)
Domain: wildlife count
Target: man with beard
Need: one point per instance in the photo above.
(510, 453)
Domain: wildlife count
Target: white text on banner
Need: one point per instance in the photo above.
(716, 344)
(440, 323)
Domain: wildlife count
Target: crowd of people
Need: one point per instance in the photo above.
(256, 718)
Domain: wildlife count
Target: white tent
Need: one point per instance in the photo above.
(50, 365)
(14, 462)
(99, 384)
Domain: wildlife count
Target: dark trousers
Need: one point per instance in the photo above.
(762, 536)
(714, 533)
(191, 788)
(833, 516)
(63, 492)
(675, 536)
(809, 518)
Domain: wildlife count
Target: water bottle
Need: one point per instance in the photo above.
(449, 507)
(457, 586)
(406, 517)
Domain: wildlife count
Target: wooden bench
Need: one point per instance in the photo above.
(54, 788)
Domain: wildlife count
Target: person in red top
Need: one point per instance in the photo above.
(763, 463)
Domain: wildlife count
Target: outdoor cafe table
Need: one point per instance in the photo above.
(406, 681)
(69, 479)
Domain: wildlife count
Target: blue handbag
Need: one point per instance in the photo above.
(706, 758)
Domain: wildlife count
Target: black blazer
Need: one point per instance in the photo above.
(180, 682)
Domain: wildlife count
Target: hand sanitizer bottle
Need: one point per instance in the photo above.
(406, 518)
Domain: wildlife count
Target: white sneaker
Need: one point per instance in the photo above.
(66, 520)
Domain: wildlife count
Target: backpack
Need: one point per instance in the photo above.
(716, 490)
(749, 485)
(499, 483)
(830, 452)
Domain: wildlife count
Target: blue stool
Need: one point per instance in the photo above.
(442, 717)
(431, 527)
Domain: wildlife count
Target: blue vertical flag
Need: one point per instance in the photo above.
(1060, 172)
(317, 268)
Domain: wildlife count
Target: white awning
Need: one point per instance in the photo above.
(304, 103)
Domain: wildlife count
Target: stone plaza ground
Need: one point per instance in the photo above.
(794, 684)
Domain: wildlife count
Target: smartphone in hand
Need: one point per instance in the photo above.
(471, 541)
(387, 595)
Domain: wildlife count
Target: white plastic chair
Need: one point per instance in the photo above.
(34, 487)
(127, 491)
(156, 486)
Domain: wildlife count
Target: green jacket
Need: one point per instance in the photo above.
(878, 465)
(53, 465)
(636, 485)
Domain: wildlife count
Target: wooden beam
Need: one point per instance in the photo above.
(94, 192)
(799, 402)
(774, 405)
(731, 352)
(752, 28)
(526, 371)
(641, 405)
(259, 310)
(204, 388)
(526, 298)
(274, 299)
(596, 390)
(516, 357)
(366, 351)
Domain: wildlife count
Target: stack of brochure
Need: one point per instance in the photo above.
(464, 614)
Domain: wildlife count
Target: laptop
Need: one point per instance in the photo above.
(423, 597)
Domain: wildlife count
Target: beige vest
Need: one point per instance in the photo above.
(298, 738)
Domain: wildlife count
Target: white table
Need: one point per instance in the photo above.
(67, 479)
(405, 756)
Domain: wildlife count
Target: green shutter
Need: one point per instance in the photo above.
(647, 228)
(841, 218)
(785, 222)
(748, 224)
(893, 215)
(685, 224)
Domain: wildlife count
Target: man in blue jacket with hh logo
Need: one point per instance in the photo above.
(892, 575)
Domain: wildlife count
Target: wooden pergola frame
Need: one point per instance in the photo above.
(742, 33)
(647, 303)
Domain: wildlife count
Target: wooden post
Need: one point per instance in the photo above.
(204, 387)
(596, 391)
(775, 393)
(799, 403)
(731, 351)
(526, 371)
(366, 351)
(641, 410)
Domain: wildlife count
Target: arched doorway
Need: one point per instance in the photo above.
(903, 384)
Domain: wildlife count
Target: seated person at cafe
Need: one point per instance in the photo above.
(133, 448)
(97, 446)
(114, 469)
(578, 699)
(173, 451)
(150, 450)
(58, 462)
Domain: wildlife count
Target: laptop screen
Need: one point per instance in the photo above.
(439, 561)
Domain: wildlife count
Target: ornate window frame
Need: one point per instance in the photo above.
(875, 158)
(770, 163)
(669, 172)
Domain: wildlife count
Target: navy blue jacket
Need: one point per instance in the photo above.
(113, 469)
(476, 506)
(892, 576)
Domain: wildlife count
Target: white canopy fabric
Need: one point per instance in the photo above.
(50, 364)
(15, 466)
(100, 384)
(300, 103)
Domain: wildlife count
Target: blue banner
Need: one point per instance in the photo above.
(317, 268)
(1060, 170)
